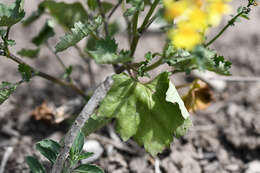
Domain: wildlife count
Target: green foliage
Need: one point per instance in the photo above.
(25, 71)
(88, 168)
(10, 15)
(6, 89)
(34, 165)
(106, 52)
(79, 31)
(137, 5)
(77, 146)
(49, 148)
(45, 33)
(151, 113)
(29, 53)
(199, 58)
(67, 14)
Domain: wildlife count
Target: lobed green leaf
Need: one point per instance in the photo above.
(151, 113)
(6, 89)
(10, 15)
(79, 31)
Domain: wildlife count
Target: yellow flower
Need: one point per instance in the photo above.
(175, 8)
(185, 36)
(198, 19)
(216, 10)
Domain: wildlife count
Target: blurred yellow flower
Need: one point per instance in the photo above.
(193, 18)
(175, 8)
(198, 19)
(216, 10)
(185, 36)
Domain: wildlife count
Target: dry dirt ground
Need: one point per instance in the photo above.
(225, 137)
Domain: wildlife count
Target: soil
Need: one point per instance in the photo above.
(225, 138)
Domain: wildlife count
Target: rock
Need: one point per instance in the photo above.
(253, 167)
(92, 146)
(138, 165)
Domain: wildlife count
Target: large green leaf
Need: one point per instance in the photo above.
(6, 89)
(65, 13)
(79, 31)
(151, 113)
(105, 52)
(10, 15)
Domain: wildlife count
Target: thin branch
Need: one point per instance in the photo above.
(47, 76)
(114, 9)
(56, 55)
(88, 62)
(101, 10)
(87, 111)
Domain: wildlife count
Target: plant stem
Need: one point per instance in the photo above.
(101, 10)
(143, 27)
(85, 114)
(114, 9)
(135, 33)
(56, 55)
(230, 22)
(87, 61)
(47, 76)
(153, 66)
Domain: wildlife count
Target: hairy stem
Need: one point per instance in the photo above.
(143, 27)
(230, 23)
(87, 111)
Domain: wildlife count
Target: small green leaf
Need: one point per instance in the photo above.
(67, 14)
(106, 52)
(85, 155)
(11, 42)
(151, 113)
(49, 148)
(88, 168)
(45, 33)
(29, 53)
(6, 89)
(79, 31)
(10, 15)
(34, 165)
(92, 4)
(25, 71)
(77, 146)
(33, 17)
(137, 5)
(107, 6)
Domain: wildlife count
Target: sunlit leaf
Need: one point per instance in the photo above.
(151, 113)
(77, 33)
(6, 89)
(10, 15)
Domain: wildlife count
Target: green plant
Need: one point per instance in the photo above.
(151, 113)
(50, 150)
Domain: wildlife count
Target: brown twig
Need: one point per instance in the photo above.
(87, 111)
(47, 76)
